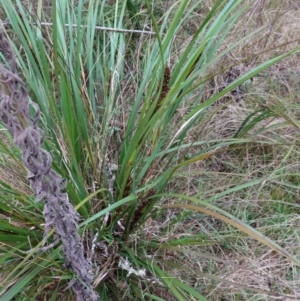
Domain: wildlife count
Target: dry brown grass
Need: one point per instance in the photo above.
(235, 267)
(12, 172)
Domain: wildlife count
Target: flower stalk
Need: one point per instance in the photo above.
(48, 185)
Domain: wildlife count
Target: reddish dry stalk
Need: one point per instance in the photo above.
(165, 87)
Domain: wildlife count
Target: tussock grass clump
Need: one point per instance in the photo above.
(177, 145)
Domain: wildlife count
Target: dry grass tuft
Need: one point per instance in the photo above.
(234, 267)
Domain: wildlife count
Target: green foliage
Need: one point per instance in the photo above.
(109, 105)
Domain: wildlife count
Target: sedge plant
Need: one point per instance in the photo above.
(109, 103)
